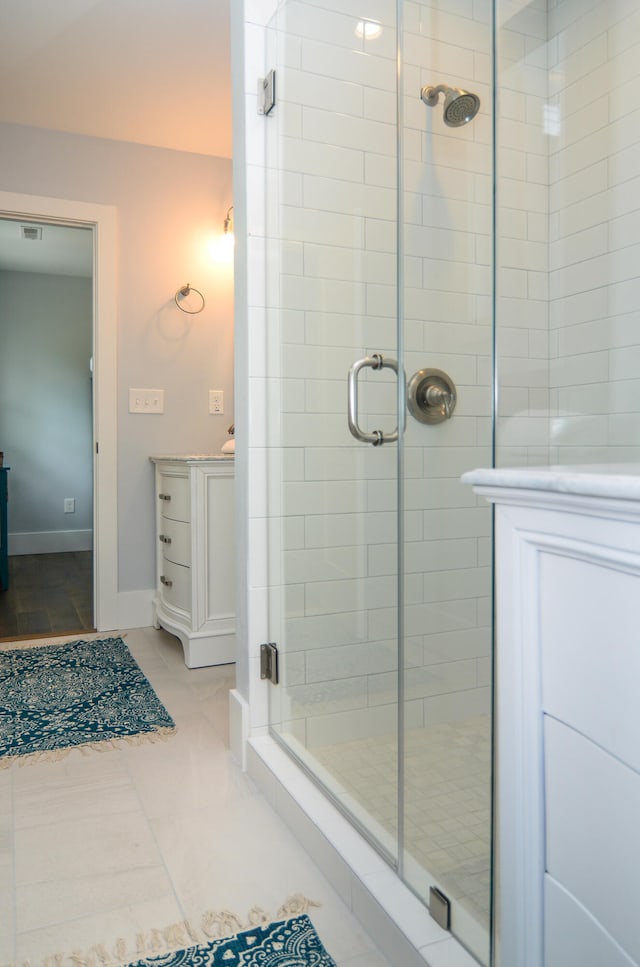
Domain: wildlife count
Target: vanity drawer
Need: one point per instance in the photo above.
(175, 582)
(173, 495)
(175, 541)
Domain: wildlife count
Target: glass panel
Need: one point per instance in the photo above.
(332, 297)
(446, 229)
(568, 130)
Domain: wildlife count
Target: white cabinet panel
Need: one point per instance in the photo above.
(572, 936)
(589, 621)
(592, 808)
(220, 582)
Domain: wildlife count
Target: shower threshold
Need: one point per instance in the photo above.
(394, 917)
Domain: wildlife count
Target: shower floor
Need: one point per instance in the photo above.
(447, 802)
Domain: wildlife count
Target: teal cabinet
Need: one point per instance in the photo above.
(4, 556)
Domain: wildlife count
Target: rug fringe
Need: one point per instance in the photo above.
(158, 942)
(106, 745)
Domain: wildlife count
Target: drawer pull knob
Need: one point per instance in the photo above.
(164, 496)
(164, 539)
(167, 583)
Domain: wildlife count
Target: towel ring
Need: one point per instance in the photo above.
(185, 291)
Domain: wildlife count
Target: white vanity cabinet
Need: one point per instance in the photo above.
(195, 556)
(568, 714)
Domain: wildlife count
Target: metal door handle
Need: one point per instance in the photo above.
(376, 437)
(166, 581)
(164, 539)
(164, 496)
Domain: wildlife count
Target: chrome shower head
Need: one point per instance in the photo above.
(460, 106)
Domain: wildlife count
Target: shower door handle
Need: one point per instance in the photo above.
(376, 437)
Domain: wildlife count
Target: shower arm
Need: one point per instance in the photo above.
(430, 95)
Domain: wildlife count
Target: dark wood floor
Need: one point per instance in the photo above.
(48, 594)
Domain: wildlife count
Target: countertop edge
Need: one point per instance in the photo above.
(621, 482)
(193, 458)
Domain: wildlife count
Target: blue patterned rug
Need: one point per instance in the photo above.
(54, 698)
(287, 943)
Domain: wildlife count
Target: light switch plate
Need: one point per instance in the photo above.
(146, 401)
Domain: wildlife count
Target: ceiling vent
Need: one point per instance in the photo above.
(31, 232)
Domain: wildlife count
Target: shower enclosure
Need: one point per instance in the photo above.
(449, 241)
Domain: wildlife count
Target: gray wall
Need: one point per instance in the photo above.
(45, 399)
(170, 205)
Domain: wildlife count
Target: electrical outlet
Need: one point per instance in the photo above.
(146, 401)
(216, 401)
(69, 505)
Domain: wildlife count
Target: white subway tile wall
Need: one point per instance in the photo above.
(594, 225)
(522, 238)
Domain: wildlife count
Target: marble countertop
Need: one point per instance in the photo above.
(621, 481)
(192, 457)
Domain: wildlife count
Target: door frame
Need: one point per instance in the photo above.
(102, 219)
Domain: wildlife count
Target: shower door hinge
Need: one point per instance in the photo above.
(440, 908)
(269, 662)
(267, 93)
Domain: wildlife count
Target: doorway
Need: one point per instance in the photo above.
(96, 222)
(46, 426)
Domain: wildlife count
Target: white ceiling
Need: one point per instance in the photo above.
(153, 72)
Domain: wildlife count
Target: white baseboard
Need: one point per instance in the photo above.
(49, 542)
(134, 609)
(238, 727)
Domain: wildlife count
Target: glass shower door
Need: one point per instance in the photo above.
(378, 242)
(333, 499)
(446, 253)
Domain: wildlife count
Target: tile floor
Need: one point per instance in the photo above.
(447, 800)
(100, 846)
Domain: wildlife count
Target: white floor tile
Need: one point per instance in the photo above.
(101, 846)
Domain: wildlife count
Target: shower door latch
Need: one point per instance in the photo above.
(376, 437)
(269, 662)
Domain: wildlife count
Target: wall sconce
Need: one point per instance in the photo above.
(221, 246)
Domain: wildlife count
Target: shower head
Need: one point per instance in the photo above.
(460, 106)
